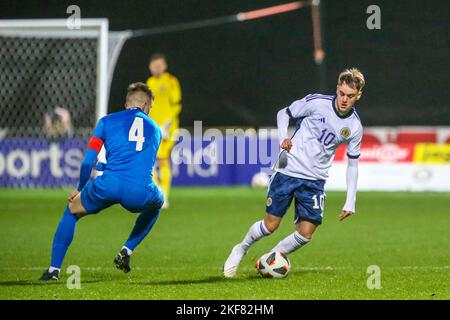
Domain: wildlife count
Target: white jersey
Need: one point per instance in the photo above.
(320, 130)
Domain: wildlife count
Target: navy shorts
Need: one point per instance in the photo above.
(309, 197)
(106, 190)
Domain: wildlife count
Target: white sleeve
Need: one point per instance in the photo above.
(354, 146)
(282, 124)
(352, 180)
(299, 108)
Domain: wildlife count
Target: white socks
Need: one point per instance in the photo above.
(291, 243)
(128, 250)
(256, 232)
(51, 269)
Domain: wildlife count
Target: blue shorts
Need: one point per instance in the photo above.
(106, 190)
(308, 194)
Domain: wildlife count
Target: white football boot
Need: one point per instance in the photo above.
(231, 265)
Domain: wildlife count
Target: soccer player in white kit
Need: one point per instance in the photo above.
(324, 122)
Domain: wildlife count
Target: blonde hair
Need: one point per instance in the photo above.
(139, 87)
(352, 77)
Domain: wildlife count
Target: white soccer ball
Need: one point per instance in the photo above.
(273, 265)
(260, 180)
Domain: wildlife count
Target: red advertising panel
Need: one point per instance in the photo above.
(388, 152)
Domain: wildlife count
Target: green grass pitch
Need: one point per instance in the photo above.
(405, 234)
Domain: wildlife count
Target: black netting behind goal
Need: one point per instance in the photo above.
(47, 86)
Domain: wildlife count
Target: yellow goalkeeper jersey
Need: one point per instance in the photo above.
(167, 104)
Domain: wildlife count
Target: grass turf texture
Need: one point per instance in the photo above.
(405, 234)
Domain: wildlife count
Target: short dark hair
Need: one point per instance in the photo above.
(139, 87)
(157, 56)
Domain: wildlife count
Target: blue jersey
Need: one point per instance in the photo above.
(131, 139)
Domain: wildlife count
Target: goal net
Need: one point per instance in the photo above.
(54, 86)
(53, 80)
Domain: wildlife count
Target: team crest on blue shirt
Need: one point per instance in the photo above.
(345, 132)
(269, 201)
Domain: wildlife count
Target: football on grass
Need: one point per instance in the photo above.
(273, 265)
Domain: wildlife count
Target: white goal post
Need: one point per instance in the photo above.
(27, 43)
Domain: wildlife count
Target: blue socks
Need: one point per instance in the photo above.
(144, 223)
(66, 230)
(63, 238)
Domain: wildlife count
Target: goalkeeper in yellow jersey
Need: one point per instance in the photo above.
(165, 111)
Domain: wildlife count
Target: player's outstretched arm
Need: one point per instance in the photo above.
(352, 180)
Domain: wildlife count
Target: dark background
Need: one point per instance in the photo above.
(242, 73)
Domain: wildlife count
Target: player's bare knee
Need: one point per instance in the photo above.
(307, 234)
(77, 209)
(272, 226)
(271, 222)
(72, 208)
(306, 228)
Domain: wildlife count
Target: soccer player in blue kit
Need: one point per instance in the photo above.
(323, 123)
(131, 140)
